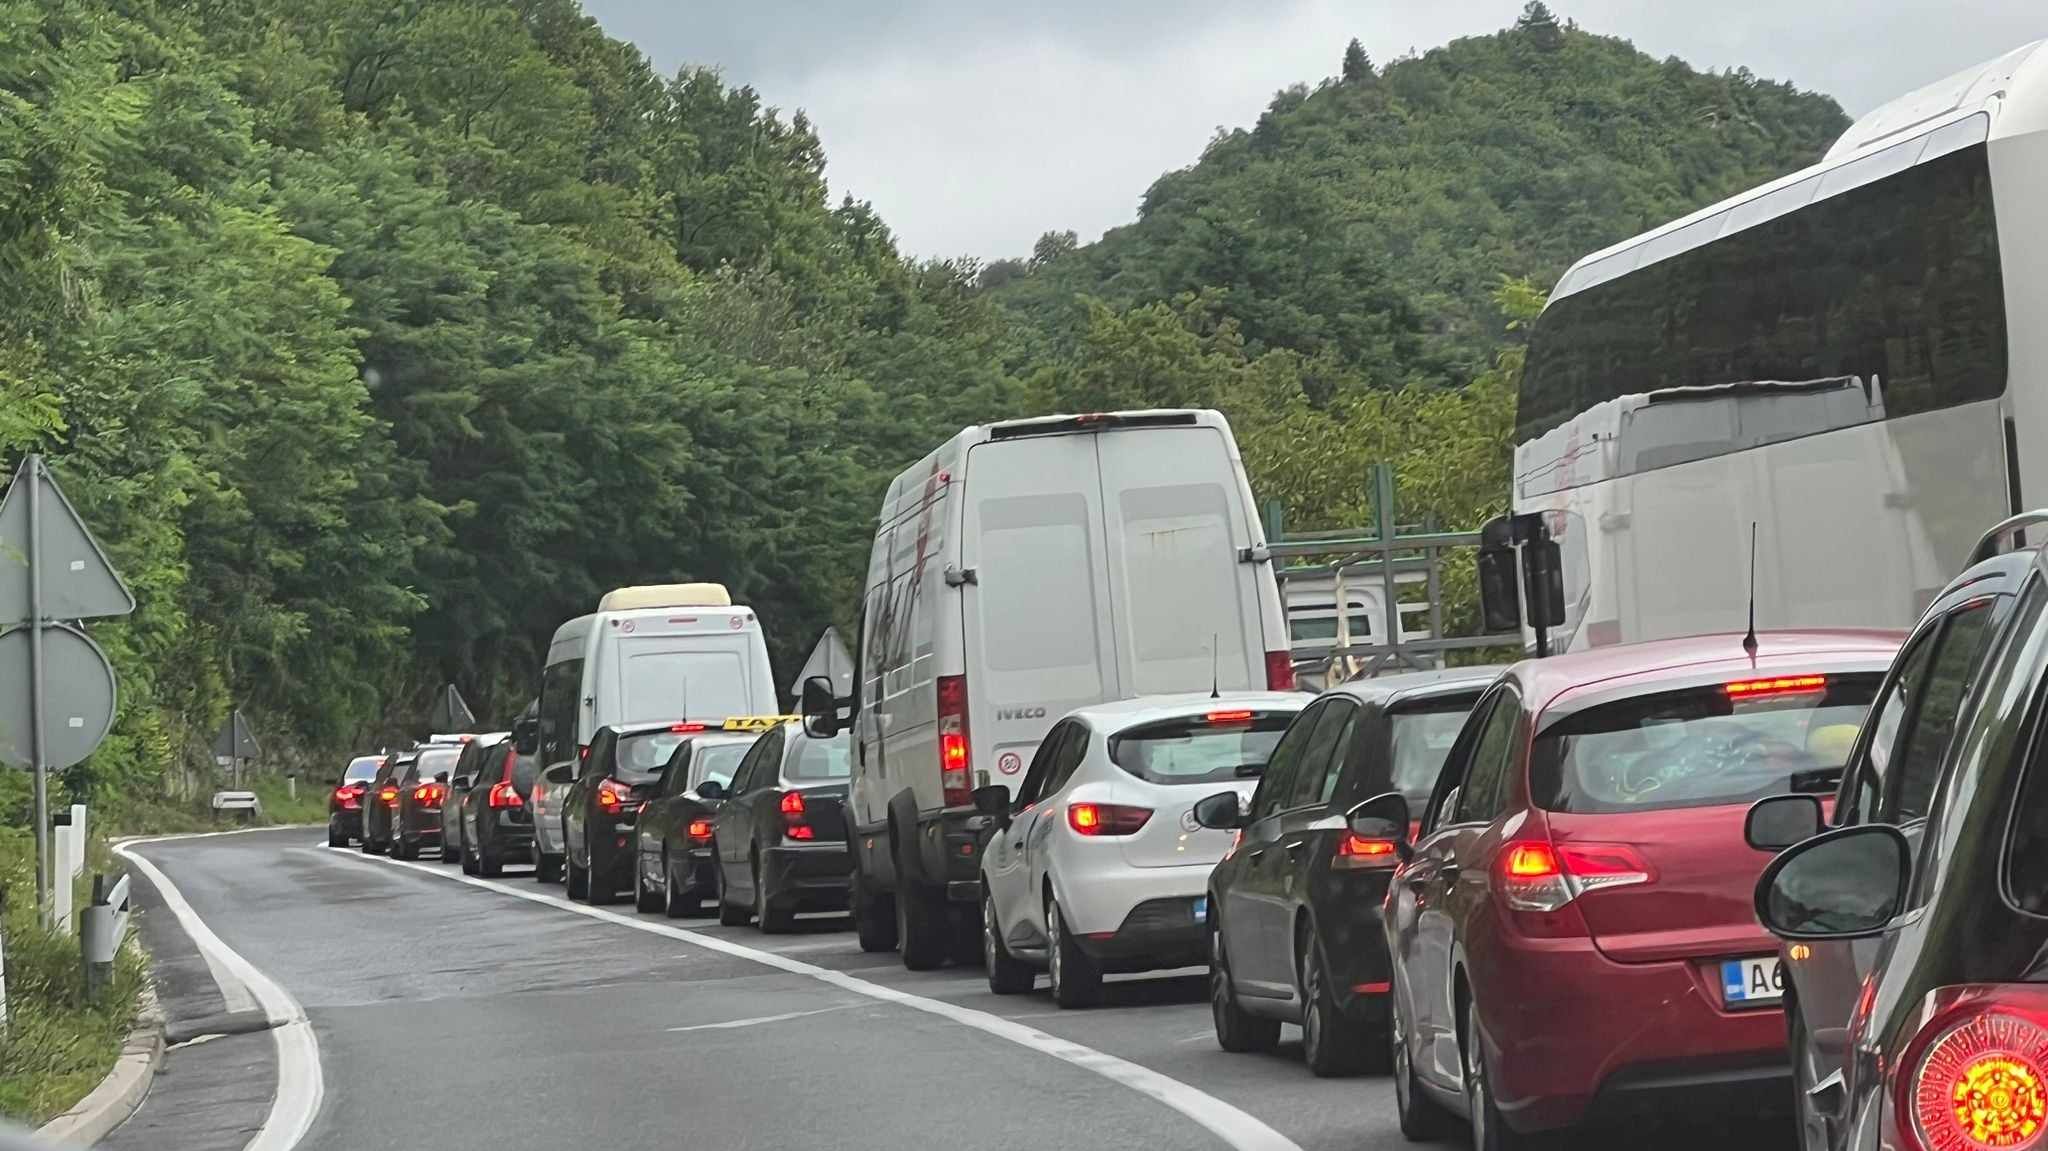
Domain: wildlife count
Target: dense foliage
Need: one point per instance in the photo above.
(376, 337)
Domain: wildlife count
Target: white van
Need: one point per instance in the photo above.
(664, 651)
(1020, 571)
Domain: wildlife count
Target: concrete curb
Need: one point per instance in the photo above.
(122, 1091)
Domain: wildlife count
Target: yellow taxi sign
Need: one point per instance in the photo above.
(758, 722)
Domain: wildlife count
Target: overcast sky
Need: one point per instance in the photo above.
(976, 125)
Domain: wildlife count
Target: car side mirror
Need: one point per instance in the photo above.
(1383, 817)
(711, 789)
(993, 800)
(525, 736)
(1776, 822)
(1223, 811)
(1845, 884)
(440, 777)
(820, 707)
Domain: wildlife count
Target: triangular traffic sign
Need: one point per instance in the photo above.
(78, 582)
(235, 740)
(450, 711)
(830, 660)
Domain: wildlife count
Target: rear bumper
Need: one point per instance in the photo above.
(1156, 933)
(1573, 1033)
(346, 822)
(1103, 893)
(811, 874)
(503, 837)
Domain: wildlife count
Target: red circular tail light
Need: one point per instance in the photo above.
(1983, 1086)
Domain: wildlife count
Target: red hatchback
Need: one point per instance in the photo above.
(1573, 935)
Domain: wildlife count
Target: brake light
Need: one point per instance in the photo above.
(1976, 1074)
(1357, 853)
(1537, 877)
(1279, 671)
(610, 796)
(504, 794)
(511, 758)
(1776, 685)
(793, 803)
(1106, 818)
(699, 829)
(389, 795)
(428, 794)
(1228, 717)
(793, 815)
(347, 795)
(954, 753)
(685, 728)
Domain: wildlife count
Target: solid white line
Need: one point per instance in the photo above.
(759, 1019)
(299, 1084)
(1236, 1127)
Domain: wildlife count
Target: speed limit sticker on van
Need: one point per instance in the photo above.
(1009, 763)
(1747, 982)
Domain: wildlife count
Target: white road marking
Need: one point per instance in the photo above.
(1236, 1127)
(299, 1083)
(760, 1019)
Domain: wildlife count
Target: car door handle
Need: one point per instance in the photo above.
(1294, 848)
(1449, 871)
(1254, 855)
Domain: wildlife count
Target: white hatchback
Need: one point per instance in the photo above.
(1097, 865)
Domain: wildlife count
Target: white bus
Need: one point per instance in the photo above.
(1852, 358)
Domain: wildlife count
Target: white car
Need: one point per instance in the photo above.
(1097, 865)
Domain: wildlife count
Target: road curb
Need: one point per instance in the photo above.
(124, 1088)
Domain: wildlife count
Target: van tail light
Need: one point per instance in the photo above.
(349, 796)
(504, 794)
(699, 829)
(1976, 1073)
(794, 824)
(428, 794)
(1357, 853)
(388, 795)
(955, 756)
(1535, 876)
(610, 796)
(1279, 671)
(1106, 818)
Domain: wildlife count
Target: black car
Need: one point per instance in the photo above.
(1298, 863)
(494, 821)
(422, 785)
(779, 836)
(380, 801)
(624, 769)
(1915, 928)
(674, 832)
(345, 802)
(468, 767)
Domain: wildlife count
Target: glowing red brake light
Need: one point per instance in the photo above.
(793, 817)
(389, 795)
(1776, 685)
(1534, 876)
(685, 728)
(1976, 1074)
(699, 829)
(1357, 853)
(610, 796)
(954, 752)
(347, 795)
(428, 794)
(504, 794)
(1279, 671)
(1228, 717)
(792, 803)
(1106, 818)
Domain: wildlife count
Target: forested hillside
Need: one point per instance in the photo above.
(375, 338)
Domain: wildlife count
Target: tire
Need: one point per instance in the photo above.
(874, 923)
(335, 838)
(579, 879)
(1423, 1119)
(921, 928)
(453, 854)
(728, 915)
(674, 903)
(469, 866)
(644, 901)
(399, 849)
(597, 882)
(367, 845)
(489, 863)
(1007, 975)
(1331, 1044)
(770, 919)
(1237, 1030)
(1076, 980)
(1490, 1130)
(546, 868)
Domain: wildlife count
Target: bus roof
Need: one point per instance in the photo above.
(2004, 97)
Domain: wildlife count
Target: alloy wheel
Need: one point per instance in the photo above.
(1475, 1083)
(1312, 1022)
(1052, 937)
(988, 931)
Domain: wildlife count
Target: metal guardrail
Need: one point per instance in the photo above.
(101, 929)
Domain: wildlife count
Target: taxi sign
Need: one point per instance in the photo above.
(758, 722)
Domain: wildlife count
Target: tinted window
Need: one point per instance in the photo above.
(718, 761)
(1889, 720)
(436, 760)
(1323, 761)
(1479, 793)
(1698, 747)
(1893, 288)
(1933, 723)
(363, 767)
(817, 760)
(638, 758)
(2026, 858)
(1066, 757)
(1278, 779)
(1198, 749)
(559, 691)
(1033, 787)
(1422, 738)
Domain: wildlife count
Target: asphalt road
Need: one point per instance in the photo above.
(485, 1015)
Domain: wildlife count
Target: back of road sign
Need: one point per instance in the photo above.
(78, 697)
(78, 582)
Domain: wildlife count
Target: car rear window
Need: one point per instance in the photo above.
(718, 761)
(432, 763)
(1721, 744)
(1215, 747)
(1422, 739)
(816, 760)
(525, 769)
(364, 767)
(640, 757)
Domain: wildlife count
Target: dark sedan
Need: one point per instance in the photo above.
(422, 785)
(780, 834)
(495, 820)
(345, 802)
(623, 769)
(674, 872)
(1294, 908)
(472, 765)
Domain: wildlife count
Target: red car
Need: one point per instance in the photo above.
(1573, 935)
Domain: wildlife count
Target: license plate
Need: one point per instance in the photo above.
(1202, 909)
(1752, 982)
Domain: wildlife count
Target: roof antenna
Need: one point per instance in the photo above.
(1215, 677)
(1749, 639)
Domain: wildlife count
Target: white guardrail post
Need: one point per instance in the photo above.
(101, 930)
(67, 863)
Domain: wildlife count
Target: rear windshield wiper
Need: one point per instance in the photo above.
(1817, 782)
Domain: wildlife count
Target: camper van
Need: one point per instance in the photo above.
(1021, 570)
(665, 651)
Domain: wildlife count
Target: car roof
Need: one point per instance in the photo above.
(1387, 690)
(1636, 665)
(1145, 708)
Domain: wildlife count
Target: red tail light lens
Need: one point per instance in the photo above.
(347, 795)
(610, 796)
(1106, 818)
(793, 803)
(699, 829)
(1279, 671)
(1776, 685)
(503, 794)
(1534, 876)
(511, 759)
(389, 796)
(1975, 1076)
(955, 756)
(428, 794)
(793, 817)
(1226, 718)
(1357, 853)
(685, 728)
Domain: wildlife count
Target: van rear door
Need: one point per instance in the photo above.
(1036, 619)
(1175, 520)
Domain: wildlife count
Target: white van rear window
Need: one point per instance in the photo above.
(681, 684)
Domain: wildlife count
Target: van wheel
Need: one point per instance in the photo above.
(1007, 975)
(1076, 980)
(874, 915)
(1237, 1030)
(921, 927)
